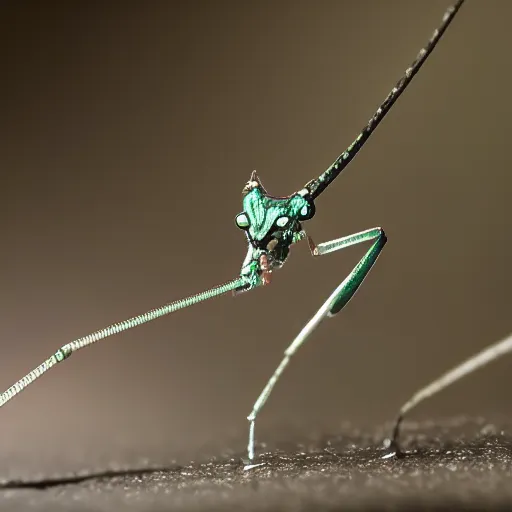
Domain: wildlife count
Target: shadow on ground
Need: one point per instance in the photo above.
(455, 465)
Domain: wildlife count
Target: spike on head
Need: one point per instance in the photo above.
(254, 182)
(272, 224)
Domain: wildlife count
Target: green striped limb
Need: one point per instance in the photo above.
(65, 351)
(336, 301)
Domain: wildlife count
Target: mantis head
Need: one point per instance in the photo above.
(272, 225)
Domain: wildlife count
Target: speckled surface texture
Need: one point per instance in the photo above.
(454, 465)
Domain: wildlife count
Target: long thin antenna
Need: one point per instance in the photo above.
(486, 356)
(317, 186)
(66, 350)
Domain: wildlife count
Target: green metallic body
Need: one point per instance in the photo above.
(272, 225)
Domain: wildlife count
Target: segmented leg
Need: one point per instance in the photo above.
(66, 350)
(336, 301)
(485, 356)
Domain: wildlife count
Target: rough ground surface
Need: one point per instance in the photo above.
(456, 465)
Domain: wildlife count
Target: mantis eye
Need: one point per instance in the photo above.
(307, 211)
(242, 221)
(282, 221)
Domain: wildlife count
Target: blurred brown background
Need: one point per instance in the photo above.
(127, 132)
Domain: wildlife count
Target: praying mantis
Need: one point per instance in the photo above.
(271, 226)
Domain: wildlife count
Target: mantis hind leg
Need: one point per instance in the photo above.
(475, 362)
(334, 304)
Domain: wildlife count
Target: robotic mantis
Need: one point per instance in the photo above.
(271, 226)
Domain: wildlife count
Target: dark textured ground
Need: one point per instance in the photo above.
(457, 465)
